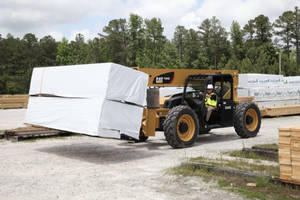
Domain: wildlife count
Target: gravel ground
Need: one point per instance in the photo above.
(82, 167)
(12, 118)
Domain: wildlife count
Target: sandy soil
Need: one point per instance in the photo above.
(82, 167)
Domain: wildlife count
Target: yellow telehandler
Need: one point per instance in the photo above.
(182, 116)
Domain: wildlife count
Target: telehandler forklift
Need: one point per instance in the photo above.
(182, 116)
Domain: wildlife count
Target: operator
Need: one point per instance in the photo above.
(210, 101)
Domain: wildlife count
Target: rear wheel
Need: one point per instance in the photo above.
(247, 120)
(181, 127)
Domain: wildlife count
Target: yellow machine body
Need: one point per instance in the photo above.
(172, 78)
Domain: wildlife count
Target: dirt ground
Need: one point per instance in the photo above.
(12, 118)
(82, 167)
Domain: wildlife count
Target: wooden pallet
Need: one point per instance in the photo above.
(31, 132)
(280, 111)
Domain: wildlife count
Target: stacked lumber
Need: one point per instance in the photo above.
(280, 111)
(245, 99)
(289, 154)
(13, 101)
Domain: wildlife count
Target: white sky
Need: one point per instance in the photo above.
(66, 18)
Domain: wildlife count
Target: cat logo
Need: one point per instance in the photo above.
(164, 78)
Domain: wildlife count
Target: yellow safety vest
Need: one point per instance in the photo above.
(210, 102)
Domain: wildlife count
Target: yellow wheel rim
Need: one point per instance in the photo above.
(186, 127)
(251, 119)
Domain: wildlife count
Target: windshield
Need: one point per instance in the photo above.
(195, 88)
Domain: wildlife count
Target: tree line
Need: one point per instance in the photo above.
(254, 48)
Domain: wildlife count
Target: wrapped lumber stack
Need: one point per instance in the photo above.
(96, 99)
(270, 90)
(289, 154)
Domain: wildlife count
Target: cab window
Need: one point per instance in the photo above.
(225, 92)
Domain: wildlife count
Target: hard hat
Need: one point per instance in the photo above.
(210, 87)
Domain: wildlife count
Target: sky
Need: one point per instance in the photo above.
(66, 18)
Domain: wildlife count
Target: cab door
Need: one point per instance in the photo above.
(226, 103)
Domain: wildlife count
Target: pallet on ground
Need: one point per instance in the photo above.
(31, 132)
(289, 154)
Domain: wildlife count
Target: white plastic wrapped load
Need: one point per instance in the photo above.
(270, 90)
(257, 92)
(100, 99)
(274, 93)
(106, 80)
(242, 92)
(292, 80)
(91, 116)
(259, 80)
(277, 103)
(80, 115)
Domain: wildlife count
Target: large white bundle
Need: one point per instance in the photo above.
(274, 93)
(88, 99)
(257, 92)
(260, 80)
(292, 80)
(106, 80)
(277, 103)
(242, 92)
(91, 116)
(270, 90)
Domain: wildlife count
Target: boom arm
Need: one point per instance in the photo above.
(177, 77)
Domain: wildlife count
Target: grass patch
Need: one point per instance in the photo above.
(267, 146)
(264, 189)
(240, 164)
(250, 155)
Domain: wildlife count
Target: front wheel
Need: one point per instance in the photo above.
(204, 131)
(181, 127)
(247, 120)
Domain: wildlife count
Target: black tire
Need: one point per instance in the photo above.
(205, 131)
(247, 120)
(178, 133)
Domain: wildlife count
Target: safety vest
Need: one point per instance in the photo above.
(210, 102)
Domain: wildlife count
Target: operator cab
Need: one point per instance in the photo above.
(194, 94)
